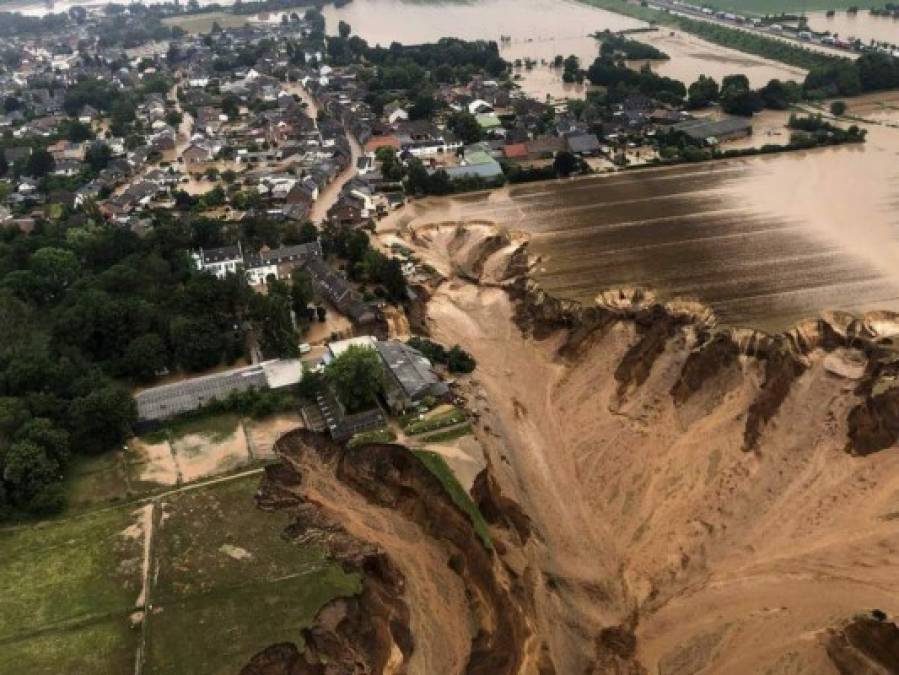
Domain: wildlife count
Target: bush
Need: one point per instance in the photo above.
(457, 360)
(838, 108)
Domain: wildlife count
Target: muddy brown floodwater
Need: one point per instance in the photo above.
(764, 241)
(539, 30)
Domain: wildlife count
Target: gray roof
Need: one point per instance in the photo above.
(169, 400)
(410, 370)
(214, 255)
(487, 170)
(276, 256)
(579, 143)
(702, 129)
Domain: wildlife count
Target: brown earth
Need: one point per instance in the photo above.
(655, 540)
(435, 598)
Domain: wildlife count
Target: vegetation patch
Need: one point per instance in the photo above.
(449, 435)
(205, 22)
(437, 466)
(375, 436)
(67, 589)
(447, 419)
(741, 40)
(225, 570)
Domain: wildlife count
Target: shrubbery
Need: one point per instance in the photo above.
(456, 359)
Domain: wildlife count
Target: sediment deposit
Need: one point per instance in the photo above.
(698, 485)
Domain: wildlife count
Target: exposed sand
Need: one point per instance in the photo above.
(199, 456)
(153, 462)
(434, 593)
(734, 562)
(263, 433)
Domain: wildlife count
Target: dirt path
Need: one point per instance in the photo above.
(143, 605)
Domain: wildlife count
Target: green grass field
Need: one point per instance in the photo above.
(228, 585)
(67, 589)
(225, 570)
(202, 23)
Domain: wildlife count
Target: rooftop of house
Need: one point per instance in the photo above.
(703, 128)
(409, 369)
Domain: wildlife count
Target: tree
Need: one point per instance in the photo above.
(39, 164)
(44, 433)
(145, 356)
(98, 156)
(198, 343)
(775, 95)
(56, 268)
(27, 471)
(739, 101)
(271, 316)
(78, 132)
(102, 419)
(4, 165)
(302, 291)
(459, 361)
(838, 108)
(702, 92)
(424, 106)
(343, 29)
(565, 164)
(465, 126)
(739, 81)
(357, 377)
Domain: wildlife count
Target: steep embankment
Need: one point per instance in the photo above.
(703, 486)
(434, 600)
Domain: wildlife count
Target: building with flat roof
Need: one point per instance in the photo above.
(170, 400)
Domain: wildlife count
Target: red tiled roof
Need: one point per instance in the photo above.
(515, 150)
(376, 142)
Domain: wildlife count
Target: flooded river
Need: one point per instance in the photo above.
(540, 29)
(764, 241)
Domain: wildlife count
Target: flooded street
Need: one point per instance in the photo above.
(764, 241)
(540, 29)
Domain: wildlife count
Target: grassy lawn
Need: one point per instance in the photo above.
(202, 23)
(101, 648)
(67, 589)
(437, 466)
(215, 427)
(447, 419)
(95, 480)
(376, 436)
(223, 564)
(449, 435)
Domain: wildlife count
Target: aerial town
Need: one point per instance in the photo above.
(337, 339)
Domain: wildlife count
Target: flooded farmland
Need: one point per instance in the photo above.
(764, 241)
(862, 25)
(540, 29)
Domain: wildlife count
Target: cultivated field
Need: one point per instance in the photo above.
(202, 23)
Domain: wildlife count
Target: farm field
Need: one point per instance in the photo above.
(214, 583)
(202, 23)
